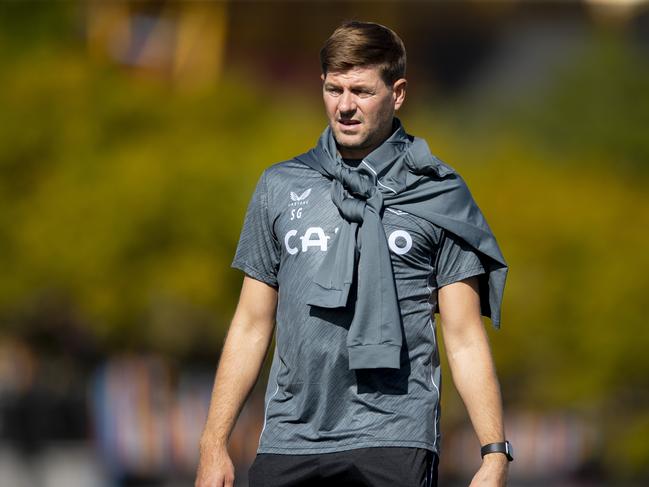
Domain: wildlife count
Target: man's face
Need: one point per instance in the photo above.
(360, 108)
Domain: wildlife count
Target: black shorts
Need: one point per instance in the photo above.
(375, 467)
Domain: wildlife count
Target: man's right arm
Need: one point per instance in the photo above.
(243, 354)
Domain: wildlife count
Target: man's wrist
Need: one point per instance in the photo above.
(211, 442)
(495, 458)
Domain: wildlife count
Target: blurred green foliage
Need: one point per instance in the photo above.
(122, 200)
(126, 199)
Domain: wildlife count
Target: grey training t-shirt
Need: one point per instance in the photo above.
(314, 403)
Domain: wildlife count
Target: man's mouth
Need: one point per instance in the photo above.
(348, 122)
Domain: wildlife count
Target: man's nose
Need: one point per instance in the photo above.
(346, 103)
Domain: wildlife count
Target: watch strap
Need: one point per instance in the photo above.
(502, 447)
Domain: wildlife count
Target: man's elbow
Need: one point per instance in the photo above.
(461, 335)
(252, 328)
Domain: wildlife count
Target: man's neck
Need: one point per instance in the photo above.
(356, 154)
(352, 162)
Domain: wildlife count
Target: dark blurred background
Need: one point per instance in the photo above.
(132, 134)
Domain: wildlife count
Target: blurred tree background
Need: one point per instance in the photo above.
(124, 180)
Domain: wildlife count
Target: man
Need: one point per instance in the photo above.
(350, 249)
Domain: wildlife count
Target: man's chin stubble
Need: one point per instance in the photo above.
(361, 145)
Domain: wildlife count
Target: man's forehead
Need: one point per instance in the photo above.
(357, 74)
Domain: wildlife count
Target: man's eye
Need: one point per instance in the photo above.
(334, 91)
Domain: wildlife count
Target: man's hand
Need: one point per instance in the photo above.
(493, 472)
(215, 468)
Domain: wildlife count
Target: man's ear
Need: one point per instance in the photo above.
(322, 77)
(399, 92)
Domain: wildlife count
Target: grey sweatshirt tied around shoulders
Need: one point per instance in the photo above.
(401, 174)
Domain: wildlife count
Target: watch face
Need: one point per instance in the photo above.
(510, 450)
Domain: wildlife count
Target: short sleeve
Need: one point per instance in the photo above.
(258, 250)
(456, 260)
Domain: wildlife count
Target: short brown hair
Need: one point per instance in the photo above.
(356, 44)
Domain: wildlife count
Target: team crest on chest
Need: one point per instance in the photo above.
(300, 199)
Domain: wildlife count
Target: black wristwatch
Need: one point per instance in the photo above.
(504, 447)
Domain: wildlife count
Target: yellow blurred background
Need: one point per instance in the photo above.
(132, 134)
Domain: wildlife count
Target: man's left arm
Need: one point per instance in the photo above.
(474, 373)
